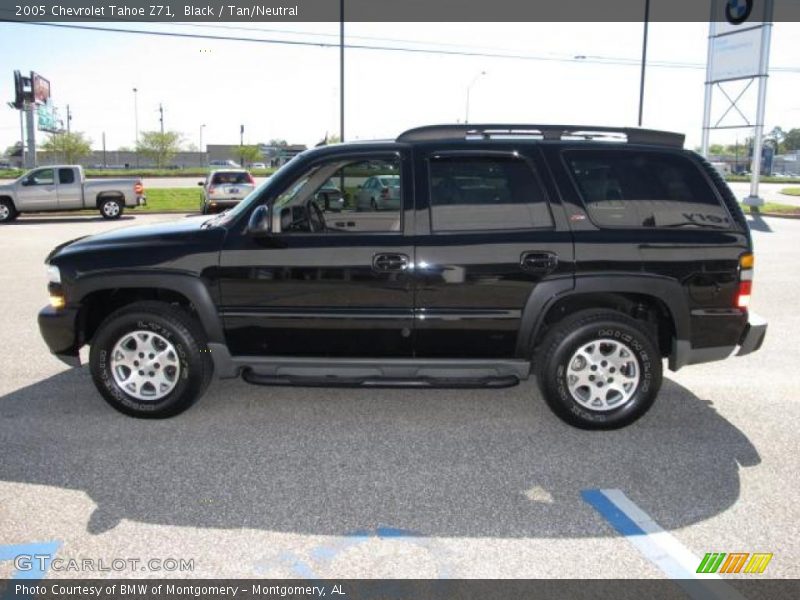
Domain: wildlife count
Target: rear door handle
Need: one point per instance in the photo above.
(539, 262)
(386, 263)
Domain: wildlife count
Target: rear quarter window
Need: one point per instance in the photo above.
(629, 188)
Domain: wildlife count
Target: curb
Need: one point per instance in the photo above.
(776, 215)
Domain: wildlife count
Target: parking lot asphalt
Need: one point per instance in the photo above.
(314, 482)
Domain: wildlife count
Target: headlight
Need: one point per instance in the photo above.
(53, 274)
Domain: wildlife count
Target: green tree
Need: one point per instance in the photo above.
(71, 146)
(160, 147)
(791, 141)
(278, 142)
(249, 155)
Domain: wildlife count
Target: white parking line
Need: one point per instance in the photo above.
(674, 559)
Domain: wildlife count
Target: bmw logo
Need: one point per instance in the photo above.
(737, 11)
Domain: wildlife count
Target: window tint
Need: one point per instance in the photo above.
(353, 196)
(66, 176)
(42, 177)
(625, 188)
(234, 177)
(477, 193)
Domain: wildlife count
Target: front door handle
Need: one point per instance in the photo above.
(386, 263)
(539, 262)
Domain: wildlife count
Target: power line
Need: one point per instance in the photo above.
(585, 59)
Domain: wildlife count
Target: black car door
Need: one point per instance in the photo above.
(342, 291)
(488, 233)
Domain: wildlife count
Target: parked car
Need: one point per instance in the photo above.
(64, 188)
(225, 163)
(586, 256)
(258, 165)
(224, 189)
(381, 192)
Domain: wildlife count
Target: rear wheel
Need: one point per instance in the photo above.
(8, 212)
(599, 369)
(111, 208)
(150, 360)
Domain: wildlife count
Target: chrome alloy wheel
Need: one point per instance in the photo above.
(145, 365)
(5, 212)
(603, 374)
(111, 209)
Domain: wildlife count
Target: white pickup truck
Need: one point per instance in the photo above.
(64, 187)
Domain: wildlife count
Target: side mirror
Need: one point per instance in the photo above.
(26, 181)
(201, 183)
(259, 224)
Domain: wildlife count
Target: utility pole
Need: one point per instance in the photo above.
(201, 142)
(469, 88)
(241, 144)
(104, 150)
(136, 123)
(341, 70)
(161, 117)
(69, 118)
(644, 58)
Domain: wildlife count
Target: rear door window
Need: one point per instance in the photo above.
(628, 188)
(476, 193)
(66, 176)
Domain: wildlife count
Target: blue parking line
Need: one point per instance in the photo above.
(618, 519)
(658, 546)
(37, 555)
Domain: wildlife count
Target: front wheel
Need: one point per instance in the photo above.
(599, 369)
(111, 208)
(150, 360)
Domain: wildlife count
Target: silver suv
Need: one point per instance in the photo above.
(225, 188)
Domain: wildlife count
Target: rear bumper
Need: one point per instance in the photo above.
(58, 328)
(751, 339)
(753, 335)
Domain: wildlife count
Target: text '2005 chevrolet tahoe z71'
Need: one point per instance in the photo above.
(583, 255)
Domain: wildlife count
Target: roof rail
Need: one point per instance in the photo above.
(630, 135)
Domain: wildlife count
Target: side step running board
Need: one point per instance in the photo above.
(344, 381)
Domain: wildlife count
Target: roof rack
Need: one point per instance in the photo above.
(629, 135)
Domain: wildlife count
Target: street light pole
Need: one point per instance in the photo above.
(69, 118)
(341, 70)
(644, 58)
(201, 142)
(136, 122)
(161, 117)
(469, 88)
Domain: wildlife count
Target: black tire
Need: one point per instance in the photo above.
(8, 212)
(111, 208)
(553, 356)
(175, 326)
(204, 209)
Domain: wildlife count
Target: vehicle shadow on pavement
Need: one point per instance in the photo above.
(331, 461)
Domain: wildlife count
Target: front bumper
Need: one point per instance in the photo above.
(753, 334)
(59, 330)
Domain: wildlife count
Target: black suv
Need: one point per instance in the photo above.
(476, 256)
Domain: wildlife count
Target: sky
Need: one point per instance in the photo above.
(292, 92)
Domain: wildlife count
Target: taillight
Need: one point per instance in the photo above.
(138, 188)
(385, 193)
(250, 179)
(746, 263)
